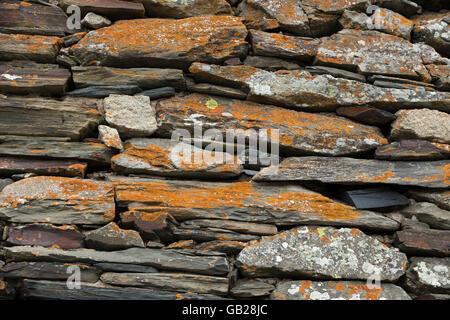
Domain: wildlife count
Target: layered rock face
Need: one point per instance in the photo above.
(225, 149)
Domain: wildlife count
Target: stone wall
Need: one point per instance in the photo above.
(314, 165)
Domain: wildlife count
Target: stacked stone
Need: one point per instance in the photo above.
(358, 92)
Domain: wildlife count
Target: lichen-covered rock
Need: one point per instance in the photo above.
(430, 214)
(405, 7)
(440, 75)
(424, 124)
(110, 137)
(372, 52)
(114, 9)
(26, 77)
(57, 200)
(42, 49)
(337, 290)
(243, 201)
(432, 28)
(393, 23)
(428, 275)
(46, 235)
(355, 20)
(413, 150)
(95, 21)
(251, 288)
(164, 42)
(304, 91)
(164, 157)
(132, 116)
(111, 237)
(298, 132)
(68, 168)
(185, 9)
(359, 171)
(322, 253)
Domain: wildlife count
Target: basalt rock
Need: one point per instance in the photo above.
(204, 38)
(57, 200)
(322, 253)
(243, 201)
(337, 290)
(358, 171)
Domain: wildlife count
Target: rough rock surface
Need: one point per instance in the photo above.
(185, 9)
(439, 197)
(95, 21)
(337, 290)
(428, 275)
(110, 137)
(430, 214)
(413, 150)
(322, 253)
(424, 242)
(114, 9)
(42, 49)
(111, 237)
(432, 28)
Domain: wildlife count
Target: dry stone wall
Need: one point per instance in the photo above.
(225, 149)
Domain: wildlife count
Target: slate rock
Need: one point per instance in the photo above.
(72, 117)
(423, 124)
(297, 89)
(110, 137)
(432, 29)
(58, 200)
(282, 46)
(42, 49)
(158, 93)
(45, 235)
(355, 20)
(73, 38)
(111, 237)
(124, 267)
(182, 244)
(185, 9)
(4, 183)
(10, 166)
(186, 232)
(144, 78)
(176, 282)
(251, 288)
(32, 18)
(428, 275)
(414, 225)
(299, 132)
(131, 116)
(172, 260)
(413, 150)
(212, 89)
(441, 198)
(337, 290)
(96, 154)
(358, 171)
(335, 72)
(367, 115)
(392, 22)
(424, 242)
(164, 157)
(104, 91)
(113, 9)
(236, 226)
(322, 253)
(225, 246)
(49, 271)
(371, 198)
(440, 75)
(243, 201)
(204, 38)
(58, 290)
(95, 21)
(386, 55)
(19, 77)
(270, 63)
(404, 7)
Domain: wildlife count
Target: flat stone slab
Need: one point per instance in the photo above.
(10, 166)
(243, 201)
(72, 117)
(298, 132)
(204, 38)
(424, 242)
(251, 288)
(439, 197)
(337, 290)
(111, 237)
(185, 9)
(177, 282)
(164, 157)
(322, 253)
(113, 9)
(299, 89)
(144, 78)
(412, 150)
(45, 235)
(430, 214)
(428, 275)
(431, 28)
(32, 78)
(58, 200)
(42, 49)
(174, 260)
(43, 148)
(236, 226)
(432, 174)
(32, 18)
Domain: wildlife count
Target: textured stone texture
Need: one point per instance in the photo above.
(424, 242)
(110, 137)
(185, 9)
(95, 21)
(205, 38)
(358, 171)
(433, 29)
(42, 49)
(424, 124)
(439, 197)
(11, 165)
(430, 214)
(57, 200)
(322, 253)
(337, 290)
(111, 237)
(428, 275)
(393, 23)
(114, 9)
(412, 150)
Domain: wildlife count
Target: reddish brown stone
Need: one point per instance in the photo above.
(411, 150)
(113, 9)
(367, 115)
(11, 165)
(185, 9)
(43, 49)
(424, 242)
(165, 42)
(46, 235)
